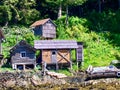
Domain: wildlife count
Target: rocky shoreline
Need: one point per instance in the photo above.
(35, 81)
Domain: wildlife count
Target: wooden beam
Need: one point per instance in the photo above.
(70, 59)
(57, 67)
(23, 66)
(44, 65)
(63, 56)
(76, 58)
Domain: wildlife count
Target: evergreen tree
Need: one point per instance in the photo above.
(65, 3)
(14, 11)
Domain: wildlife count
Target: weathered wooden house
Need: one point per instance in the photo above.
(23, 56)
(45, 28)
(57, 52)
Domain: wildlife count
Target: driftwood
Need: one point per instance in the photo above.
(57, 75)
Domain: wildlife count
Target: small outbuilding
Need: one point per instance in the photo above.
(57, 52)
(23, 56)
(45, 28)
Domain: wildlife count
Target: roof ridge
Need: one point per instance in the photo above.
(40, 22)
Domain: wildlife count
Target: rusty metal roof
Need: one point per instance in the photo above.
(55, 44)
(40, 22)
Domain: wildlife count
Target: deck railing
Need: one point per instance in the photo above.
(23, 60)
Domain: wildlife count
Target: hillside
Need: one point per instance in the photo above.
(99, 47)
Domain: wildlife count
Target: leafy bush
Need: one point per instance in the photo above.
(13, 35)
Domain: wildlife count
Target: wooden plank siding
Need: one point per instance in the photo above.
(44, 28)
(49, 30)
(62, 56)
(46, 56)
(79, 52)
(23, 61)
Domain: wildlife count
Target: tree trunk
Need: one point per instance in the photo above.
(99, 5)
(6, 24)
(80, 11)
(66, 15)
(119, 4)
(60, 11)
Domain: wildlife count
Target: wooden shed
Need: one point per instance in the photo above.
(45, 28)
(56, 51)
(23, 56)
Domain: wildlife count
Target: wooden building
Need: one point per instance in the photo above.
(56, 51)
(45, 28)
(23, 56)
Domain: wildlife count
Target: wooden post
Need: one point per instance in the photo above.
(44, 65)
(70, 59)
(79, 54)
(57, 67)
(15, 66)
(34, 64)
(77, 66)
(23, 66)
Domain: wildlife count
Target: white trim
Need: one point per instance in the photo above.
(21, 54)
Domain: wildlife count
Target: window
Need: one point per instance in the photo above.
(53, 53)
(23, 54)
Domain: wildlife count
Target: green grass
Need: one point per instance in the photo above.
(65, 71)
(4, 69)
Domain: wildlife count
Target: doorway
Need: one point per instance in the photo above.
(53, 56)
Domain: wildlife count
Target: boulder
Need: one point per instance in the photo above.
(35, 80)
(10, 83)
